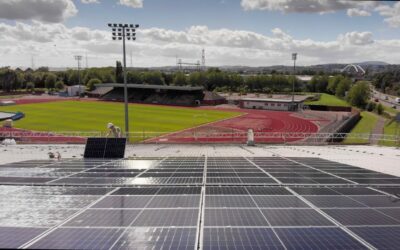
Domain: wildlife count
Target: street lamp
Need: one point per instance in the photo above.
(79, 59)
(122, 32)
(294, 58)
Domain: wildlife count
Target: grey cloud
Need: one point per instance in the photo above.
(52, 11)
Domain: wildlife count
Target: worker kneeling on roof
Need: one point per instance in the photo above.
(114, 130)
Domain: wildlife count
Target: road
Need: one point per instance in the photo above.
(381, 97)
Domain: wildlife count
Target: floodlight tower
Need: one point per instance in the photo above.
(294, 58)
(79, 59)
(122, 32)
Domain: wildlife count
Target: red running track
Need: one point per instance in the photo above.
(234, 129)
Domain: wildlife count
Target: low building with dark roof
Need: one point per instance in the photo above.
(155, 94)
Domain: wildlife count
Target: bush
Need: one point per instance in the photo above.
(371, 106)
(30, 86)
(59, 85)
(379, 109)
(91, 84)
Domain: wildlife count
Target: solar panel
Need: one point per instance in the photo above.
(365, 217)
(330, 201)
(108, 148)
(234, 217)
(79, 238)
(123, 202)
(229, 201)
(14, 237)
(317, 238)
(279, 201)
(183, 201)
(378, 201)
(104, 218)
(167, 218)
(240, 238)
(392, 212)
(295, 217)
(380, 237)
(157, 238)
(166, 203)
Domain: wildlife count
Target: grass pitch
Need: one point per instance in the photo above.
(329, 100)
(94, 116)
(364, 126)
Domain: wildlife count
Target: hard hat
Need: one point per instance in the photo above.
(110, 125)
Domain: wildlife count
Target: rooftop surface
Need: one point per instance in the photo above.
(201, 197)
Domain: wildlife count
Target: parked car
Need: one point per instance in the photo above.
(376, 100)
(386, 98)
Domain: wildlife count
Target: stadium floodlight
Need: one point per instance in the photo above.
(124, 32)
(294, 58)
(79, 59)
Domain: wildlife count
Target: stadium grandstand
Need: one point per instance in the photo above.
(154, 94)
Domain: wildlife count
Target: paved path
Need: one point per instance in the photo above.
(378, 130)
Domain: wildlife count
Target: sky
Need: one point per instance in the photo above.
(232, 32)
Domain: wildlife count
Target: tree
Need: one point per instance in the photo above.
(134, 77)
(50, 81)
(59, 85)
(30, 86)
(180, 79)
(91, 84)
(333, 83)
(73, 77)
(198, 79)
(359, 94)
(342, 87)
(8, 78)
(91, 74)
(119, 76)
(154, 78)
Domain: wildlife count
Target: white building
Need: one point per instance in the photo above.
(271, 104)
(75, 90)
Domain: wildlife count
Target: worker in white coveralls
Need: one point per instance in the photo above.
(114, 130)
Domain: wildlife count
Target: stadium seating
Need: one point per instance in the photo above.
(151, 96)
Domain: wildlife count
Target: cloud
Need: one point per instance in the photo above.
(52, 11)
(357, 38)
(392, 14)
(132, 3)
(357, 12)
(353, 8)
(304, 6)
(55, 45)
(90, 1)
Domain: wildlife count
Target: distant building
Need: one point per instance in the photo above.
(271, 104)
(212, 98)
(75, 90)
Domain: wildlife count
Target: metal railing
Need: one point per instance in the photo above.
(197, 137)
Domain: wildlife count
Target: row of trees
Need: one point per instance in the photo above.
(212, 79)
(357, 94)
(388, 82)
(337, 85)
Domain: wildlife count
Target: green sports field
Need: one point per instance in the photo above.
(94, 116)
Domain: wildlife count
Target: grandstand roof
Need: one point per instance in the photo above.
(149, 86)
(270, 100)
(100, 90)
(208, 95)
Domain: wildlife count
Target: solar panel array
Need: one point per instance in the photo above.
(197, 203)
